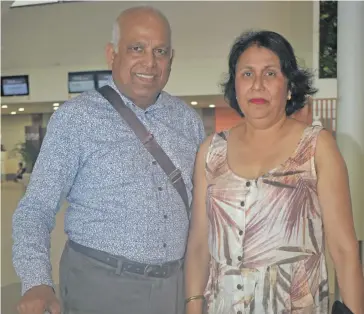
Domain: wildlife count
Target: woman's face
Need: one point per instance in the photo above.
(261, 88)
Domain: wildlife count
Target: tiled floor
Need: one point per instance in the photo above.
(10, 287)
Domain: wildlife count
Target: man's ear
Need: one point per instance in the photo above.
(171, 60)
(110, 54)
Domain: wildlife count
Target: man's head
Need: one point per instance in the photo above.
(140, 54)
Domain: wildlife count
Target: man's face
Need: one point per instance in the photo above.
(142, 64)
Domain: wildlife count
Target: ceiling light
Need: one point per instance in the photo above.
(212, 106)
(21, 109)
(13, 112)
(55, 108)
(194, 103)
(4, 106)
(56, 104)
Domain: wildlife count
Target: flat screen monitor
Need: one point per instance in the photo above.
(17, 85)
(102, 78)
(79, 82)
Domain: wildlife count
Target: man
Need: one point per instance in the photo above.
(125, 219)
(305, 114)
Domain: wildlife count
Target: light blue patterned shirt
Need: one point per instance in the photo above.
(120, 200)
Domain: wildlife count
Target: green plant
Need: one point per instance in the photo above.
(328, 39)
(29, 154)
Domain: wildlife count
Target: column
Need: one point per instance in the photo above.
(350, 108)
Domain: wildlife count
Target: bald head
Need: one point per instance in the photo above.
(131, 16)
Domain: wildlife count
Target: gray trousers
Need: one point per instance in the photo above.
(91, 287)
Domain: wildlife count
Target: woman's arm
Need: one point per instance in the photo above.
(334, 197)
(198, 256)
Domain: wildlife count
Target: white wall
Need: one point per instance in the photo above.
(47, 42)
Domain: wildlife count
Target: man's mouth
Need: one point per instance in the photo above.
(145, 76)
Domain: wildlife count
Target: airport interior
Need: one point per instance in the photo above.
(51, 51)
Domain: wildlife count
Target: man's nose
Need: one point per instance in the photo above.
(149, 59)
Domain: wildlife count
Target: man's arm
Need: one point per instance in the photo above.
(51, 180)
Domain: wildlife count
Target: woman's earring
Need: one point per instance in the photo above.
(289, 96)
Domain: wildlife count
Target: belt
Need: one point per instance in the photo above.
(122, 264)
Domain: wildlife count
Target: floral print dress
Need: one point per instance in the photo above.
(266, 236)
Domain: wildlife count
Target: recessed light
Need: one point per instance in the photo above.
(21, 109)
(13, 112)
(56, 104)
(55, 108)
(194, 103)
(4, 106)
(212, 106)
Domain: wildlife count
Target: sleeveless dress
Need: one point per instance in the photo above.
(266, 236)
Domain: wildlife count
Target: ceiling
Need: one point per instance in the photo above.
(47, 107)
(32, 37)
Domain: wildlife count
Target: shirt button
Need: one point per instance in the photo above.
(242, 203)
(247, 183)
(239, 287)
(239, 312)
(239, 258)
(241, 232)
(160, 188)
(164, 244)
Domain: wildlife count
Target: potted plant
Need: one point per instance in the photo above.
(29, 155)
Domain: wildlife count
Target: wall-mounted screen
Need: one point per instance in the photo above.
(17, 85)
(102, 78)
(79, 82)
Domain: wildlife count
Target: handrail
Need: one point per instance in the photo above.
(324, 112)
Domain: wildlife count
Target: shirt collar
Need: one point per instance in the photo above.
(158, 103)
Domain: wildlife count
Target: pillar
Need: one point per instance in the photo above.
(350, 108)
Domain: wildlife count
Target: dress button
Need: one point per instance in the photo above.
(239, 258)
(154, 162)
(239, 287)
(241, 232)
(164, 244)
(160, 188)
(242, 203)
(247, 183)
(165, 216)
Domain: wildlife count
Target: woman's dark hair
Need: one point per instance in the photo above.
(299, 80)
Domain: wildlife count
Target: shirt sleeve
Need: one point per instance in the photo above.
(51, 180)
(200, 131)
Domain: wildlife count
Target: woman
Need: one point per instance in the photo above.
(265, 191)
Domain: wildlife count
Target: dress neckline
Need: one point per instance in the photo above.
(274, 169)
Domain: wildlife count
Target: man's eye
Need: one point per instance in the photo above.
(161, 52)
(136, 48)
(248, 74)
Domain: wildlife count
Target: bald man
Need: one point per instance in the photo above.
(126, 223)
(305, 114)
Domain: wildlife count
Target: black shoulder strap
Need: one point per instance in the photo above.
(149, 142)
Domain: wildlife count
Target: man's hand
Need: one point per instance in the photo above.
(39, 299)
